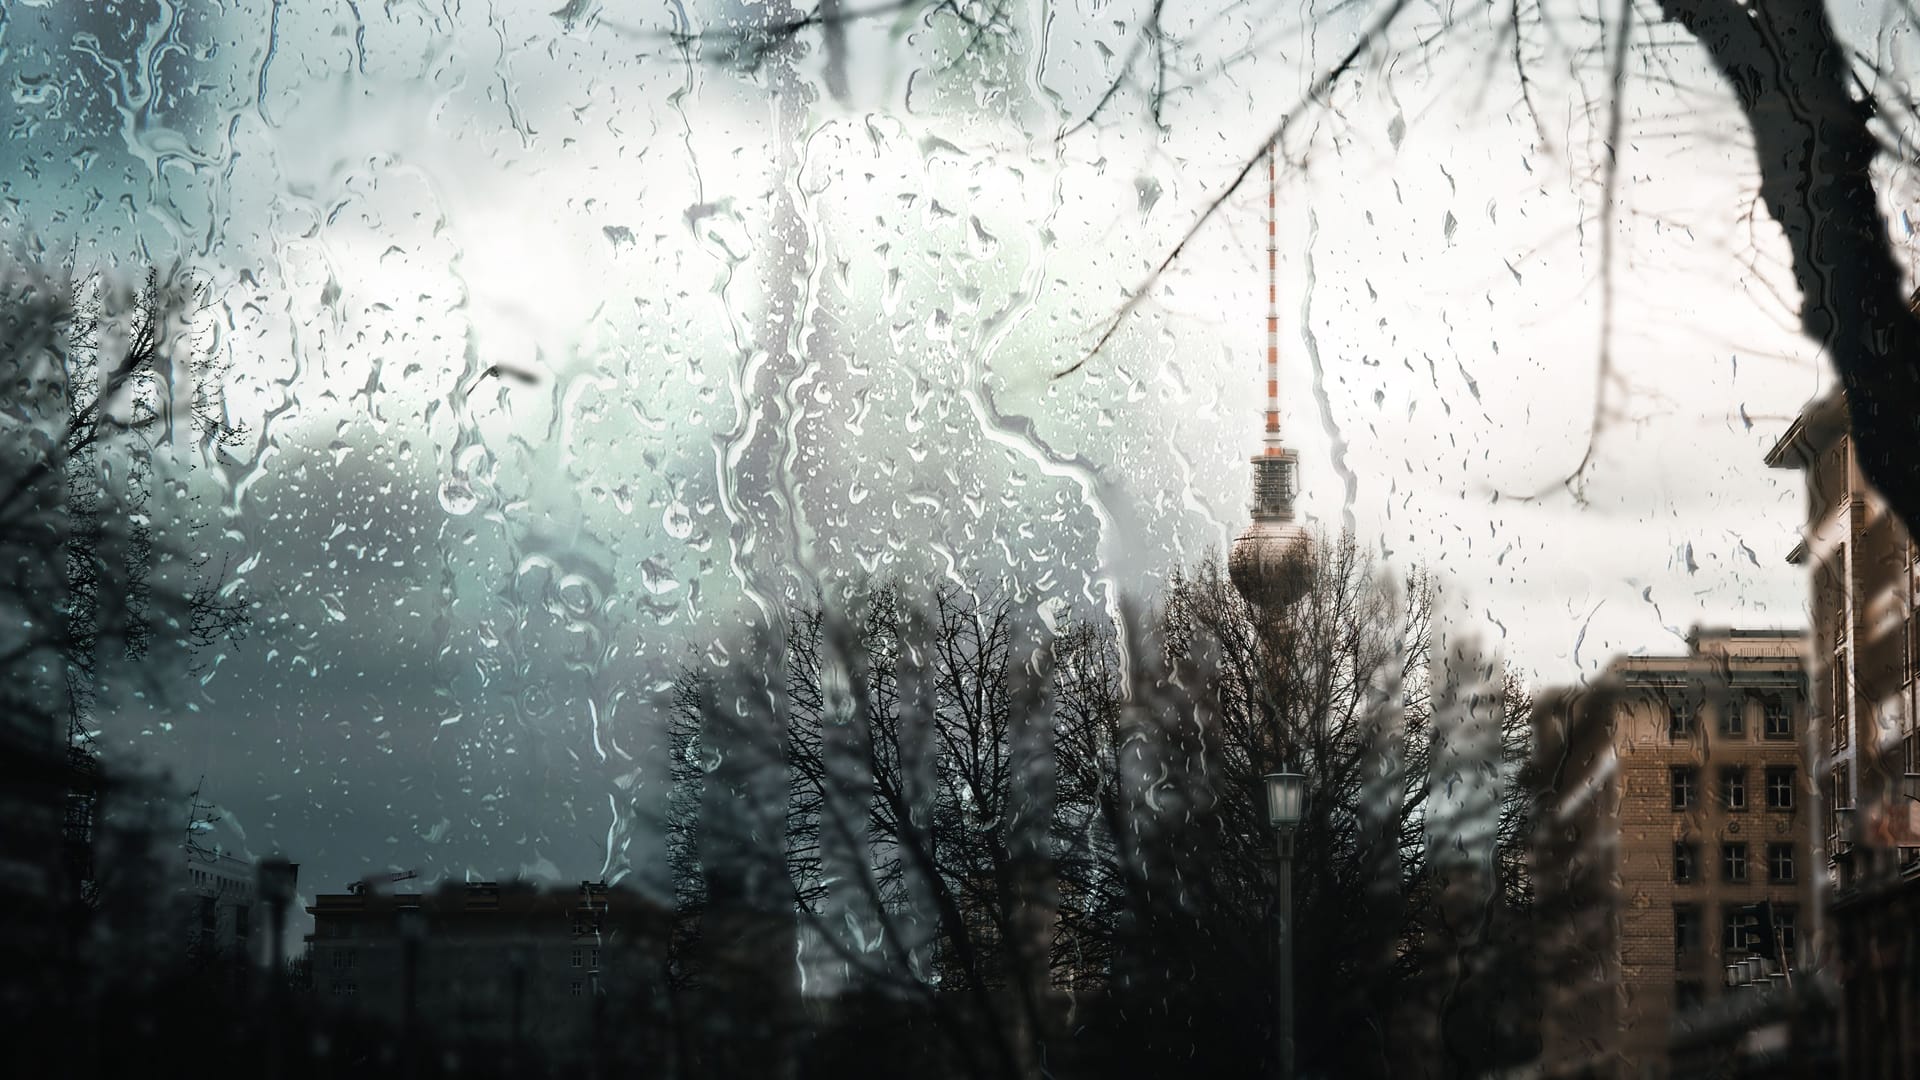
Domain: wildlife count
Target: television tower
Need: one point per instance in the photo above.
(1268, 562)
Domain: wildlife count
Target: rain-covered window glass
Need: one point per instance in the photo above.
(979, 541)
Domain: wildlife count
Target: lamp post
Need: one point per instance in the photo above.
(412, 925)
(521, 956)
(1286, 800)
(276, 880)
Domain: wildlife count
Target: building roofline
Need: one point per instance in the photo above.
(1821, 420)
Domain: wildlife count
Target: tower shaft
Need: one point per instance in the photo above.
(1274, 468)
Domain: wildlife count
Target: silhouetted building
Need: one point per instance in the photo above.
(222, 913)
(37, 901)
(561, 971)
(1864, 648)
(1674, 800)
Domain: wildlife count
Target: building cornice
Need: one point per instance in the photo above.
(1820, 422)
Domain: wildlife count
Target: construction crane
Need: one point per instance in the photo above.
(366, 884)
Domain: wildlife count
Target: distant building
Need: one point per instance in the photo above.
(485, 963)
(38, 898)
(1865, 644)
(170, 898)
(1674, 799)
(222, 912)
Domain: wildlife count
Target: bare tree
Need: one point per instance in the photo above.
(93, 366)
(1128, 900)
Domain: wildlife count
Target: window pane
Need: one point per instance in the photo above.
(1686, 859)
(1733, 862)
(1733, 787)
(1780, 866)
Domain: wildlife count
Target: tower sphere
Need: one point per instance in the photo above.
(1271, 564)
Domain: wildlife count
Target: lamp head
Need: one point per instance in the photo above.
(276, 880)
(1286, 798)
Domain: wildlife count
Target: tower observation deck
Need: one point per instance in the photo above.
(1269, 561)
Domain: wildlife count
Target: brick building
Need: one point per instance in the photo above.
(1864, 645)
(1674, 798)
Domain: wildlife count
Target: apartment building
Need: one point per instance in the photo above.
(1864, 643)
(1674, 802)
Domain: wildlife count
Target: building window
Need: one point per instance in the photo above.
(1687, 995)
(1779, 718)
(1839, 798)
(1733, 720)
(1733, 787)
(1686, 787)
(242, 925)
(1837, 685)
(1686, 863)
(1739, 932)
(343, 959)
(576, 988)
(1686, 929)
(209, 916)
(578, 955)
(1786, 918)
(1779, 863)
(1780, 787)
(1679, 720)
(1733, 862)
(593, 959)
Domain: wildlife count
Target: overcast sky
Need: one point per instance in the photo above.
(475, 587)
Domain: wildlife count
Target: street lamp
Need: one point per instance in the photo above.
(1286, 801)
(411, 922)
(275, 881)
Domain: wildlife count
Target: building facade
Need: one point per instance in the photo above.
(1865, 641)
(1674, 800)
(514, 965)
(222, 910)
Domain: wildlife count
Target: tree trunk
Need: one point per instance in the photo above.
(1815, 152)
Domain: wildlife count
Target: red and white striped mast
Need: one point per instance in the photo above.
(1274, 469)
